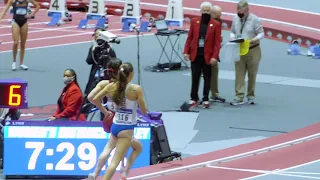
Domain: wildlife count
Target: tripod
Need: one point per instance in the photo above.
(138, 54)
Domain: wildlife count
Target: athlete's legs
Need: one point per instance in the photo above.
(123, 144)
(104, 155)
(23, 36)
(137, 148)
(16, 38)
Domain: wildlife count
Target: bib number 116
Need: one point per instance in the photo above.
(123, 117)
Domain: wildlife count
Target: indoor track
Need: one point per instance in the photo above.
(287, 100)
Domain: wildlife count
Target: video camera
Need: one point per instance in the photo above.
(102, 50)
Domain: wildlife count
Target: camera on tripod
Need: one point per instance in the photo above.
(104, 39)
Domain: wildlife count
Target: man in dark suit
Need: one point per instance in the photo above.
(202, 49)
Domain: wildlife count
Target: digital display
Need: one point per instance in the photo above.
(13, 94)
(61, 150)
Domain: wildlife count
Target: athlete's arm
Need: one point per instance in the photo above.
(97, 99)
(37, 7)
(140, 100)
(3, 13)
(97, 89)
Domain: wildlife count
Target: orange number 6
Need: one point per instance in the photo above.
(13, 95)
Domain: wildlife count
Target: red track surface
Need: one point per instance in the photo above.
(269, 161)
(41, 35)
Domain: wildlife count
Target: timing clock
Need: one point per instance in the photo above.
(13, 93)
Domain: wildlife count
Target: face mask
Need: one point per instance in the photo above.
(205, 18)
(240, 15)
(67, 80)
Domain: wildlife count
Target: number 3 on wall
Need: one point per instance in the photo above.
(95, 7)
(13, 95)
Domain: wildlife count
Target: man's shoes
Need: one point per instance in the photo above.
(206, 104)
(236, 102)
(217, 99)
(251, 102)
(193, 104)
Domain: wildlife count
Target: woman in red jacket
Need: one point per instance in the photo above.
(70, 100)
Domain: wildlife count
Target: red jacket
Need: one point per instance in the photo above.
(212, 43)
(72, 101)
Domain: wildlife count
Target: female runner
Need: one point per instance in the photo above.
(125, 100)
(20, 27)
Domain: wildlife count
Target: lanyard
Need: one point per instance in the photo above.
(241, 30)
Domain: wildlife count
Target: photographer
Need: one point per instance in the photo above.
(98, 57)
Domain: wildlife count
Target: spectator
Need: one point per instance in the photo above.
(248, 26)
(216, 14)
(70, 100)
(202, 49)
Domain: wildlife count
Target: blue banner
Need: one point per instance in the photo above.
(61, 150)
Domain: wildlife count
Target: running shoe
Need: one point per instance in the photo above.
(251, 102)
(23, 67)
(14, 66)
(236, 102)
(217, 99)
(206, 104)
(91, 176)
(193, 104)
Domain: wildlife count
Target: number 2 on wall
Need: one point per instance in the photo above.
(129, 10)
(62, 164)
(12, 95)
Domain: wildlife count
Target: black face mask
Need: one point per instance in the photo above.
(240, 15)
(205, 18)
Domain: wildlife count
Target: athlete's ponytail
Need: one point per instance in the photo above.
(122, 81)
(113, 68)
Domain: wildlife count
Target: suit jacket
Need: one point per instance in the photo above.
(212, 43)
(72, 102)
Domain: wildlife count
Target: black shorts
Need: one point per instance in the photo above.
(20, 22)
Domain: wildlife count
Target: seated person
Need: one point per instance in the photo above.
(70, 100)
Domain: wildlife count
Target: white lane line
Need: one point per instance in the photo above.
(282, 170)
(42, 30)
(275, 172)
(272, 79)
(76, 43)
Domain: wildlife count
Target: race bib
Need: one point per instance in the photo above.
(21, 11)
(111, 105)
(124, 116)
(201, 42)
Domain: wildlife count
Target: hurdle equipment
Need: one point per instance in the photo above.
(174, 15)
(97, 11)
(316, 52)
(131, 12)
(58, 12)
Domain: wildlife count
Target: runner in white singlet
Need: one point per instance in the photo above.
(125, 100)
